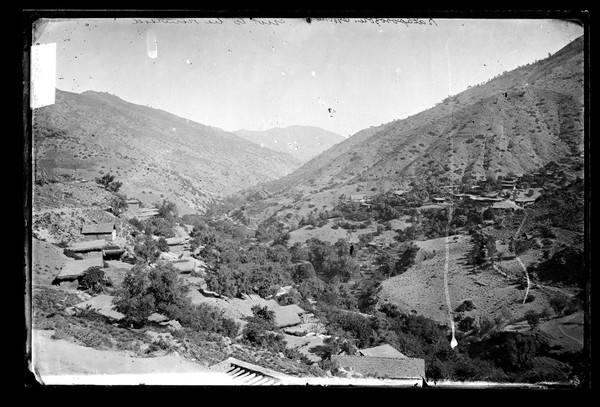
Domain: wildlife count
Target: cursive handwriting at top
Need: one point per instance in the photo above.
(212, 21)
(379, 21)
(281, 21)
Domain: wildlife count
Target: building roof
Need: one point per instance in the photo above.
(76, 268)
(133, 201)
(382, 351)
(288, 315)
(526, 199)
(185, 266)
(507, 204)
(245, 373)
(173, 241)
(98, 228)
(103, 305)
(357, 196)
(89, 246)
(382, 367)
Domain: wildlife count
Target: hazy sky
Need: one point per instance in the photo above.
(246, 74)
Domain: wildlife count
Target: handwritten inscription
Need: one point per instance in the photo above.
(380, 21)
(279, 21)
(211, 21)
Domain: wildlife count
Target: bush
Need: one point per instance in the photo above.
(467, 305)
(93, 280)
(532, 318)
(109, 183)
(144, 292)
(558, 303)
(466, 324)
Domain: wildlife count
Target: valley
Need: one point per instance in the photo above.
(169, 246)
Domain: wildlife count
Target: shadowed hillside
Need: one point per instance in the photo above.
(159, 154)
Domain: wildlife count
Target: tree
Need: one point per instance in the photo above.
(118, 203)
(93, 280)
(559, 303)
(134, 298)
(109, 183)
(167, 210)
(387, 263)
(162, 244)
(147, 249)
(144, 292)
(532, 318)
(265, 315)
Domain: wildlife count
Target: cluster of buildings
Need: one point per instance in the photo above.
(96, 244)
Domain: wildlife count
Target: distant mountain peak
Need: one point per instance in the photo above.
(302, 142)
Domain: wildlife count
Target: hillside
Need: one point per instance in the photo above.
(157, 154)
(516, 122)
(302, 142)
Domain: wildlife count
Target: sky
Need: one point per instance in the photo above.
(256, 74)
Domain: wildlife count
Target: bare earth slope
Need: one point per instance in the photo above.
(85, 135)
(516, 122)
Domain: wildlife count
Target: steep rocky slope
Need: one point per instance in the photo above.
(155, 154)
(516, 122)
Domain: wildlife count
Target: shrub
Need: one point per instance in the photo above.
(558, 303)
(144, 292)
(466, 324)
(109, 183)
(93, 280)
(467, 305)
(532, 318)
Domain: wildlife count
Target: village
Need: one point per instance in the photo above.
(107, 246)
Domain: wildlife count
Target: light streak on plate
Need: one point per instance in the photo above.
(453, 342)
(151, 44)
(519, 259)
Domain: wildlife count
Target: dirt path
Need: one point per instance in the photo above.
(60, 357)
(571, 317)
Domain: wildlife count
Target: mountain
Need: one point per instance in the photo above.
(302, 142)
(515, 122)
(156, 155)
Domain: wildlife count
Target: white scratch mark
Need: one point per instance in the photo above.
(151, 44)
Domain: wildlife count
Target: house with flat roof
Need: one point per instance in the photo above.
(358, 198)
(382, 351)
(73, 269)
(506, 205)
(106, 231)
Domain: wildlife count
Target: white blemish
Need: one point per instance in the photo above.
(314, 74)
(151, 44)
(43, 75)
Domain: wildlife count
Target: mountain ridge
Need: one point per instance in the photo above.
(302, 142)
(175, 158)
(513, 123)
